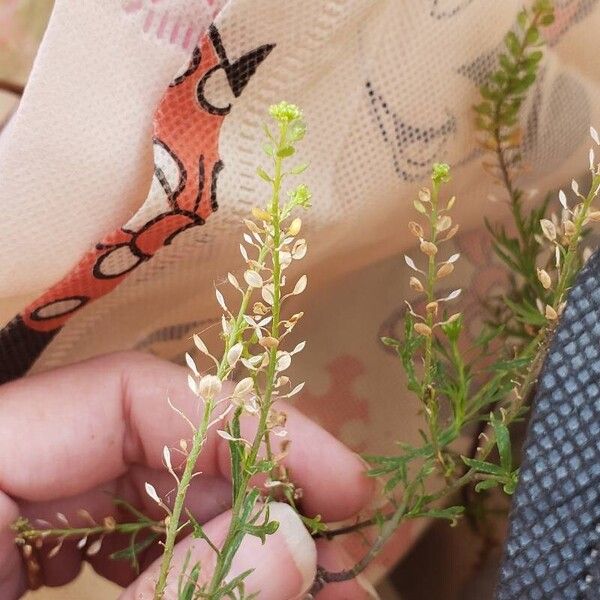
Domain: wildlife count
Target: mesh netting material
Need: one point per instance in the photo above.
(363, 89)
(554, 539)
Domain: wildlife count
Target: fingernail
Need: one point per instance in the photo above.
(298, 541)
(366, 585)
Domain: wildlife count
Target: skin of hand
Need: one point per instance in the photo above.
(81, 435)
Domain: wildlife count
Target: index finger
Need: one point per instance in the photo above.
(69, 430)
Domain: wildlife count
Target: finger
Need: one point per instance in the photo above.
(334, 558)
(87, 423)
(59, 570)
(12, 574)
(283, 567)
(81, 426)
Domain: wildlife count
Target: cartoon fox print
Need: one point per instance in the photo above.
(183, 194)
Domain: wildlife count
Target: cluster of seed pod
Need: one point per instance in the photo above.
(438, 230)
(254, 336)
(253, 350)
(31, 537)
(563, 232)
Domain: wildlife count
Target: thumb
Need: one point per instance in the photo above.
(283, 568)
(12, 577)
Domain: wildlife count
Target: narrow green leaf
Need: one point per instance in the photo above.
(134, 549)
(483, 467)
(512, 43)
(484, 108)
(511, 485)
(533, 35)
(191, 585)
(547, 20)
(451, 513)
(486, 484)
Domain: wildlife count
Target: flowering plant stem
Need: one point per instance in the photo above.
(89, 537)
(232, 540)
(32, 533)
(255, 394)
(198, 439)
(175, 516)
(412, 504)
(429, 392)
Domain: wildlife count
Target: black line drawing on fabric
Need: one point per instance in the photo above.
(238, 72)
(446, 9)
(479, 70)
(557, 122)
(173, 333)
(183, 193)
(124, 256)
(413, 147)
(189, 68)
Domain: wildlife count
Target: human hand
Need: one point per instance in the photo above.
(81, 435)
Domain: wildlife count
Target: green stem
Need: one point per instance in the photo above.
(82, 532)
(182, 488)
(232, 539)
(429, 395)
(275, 323)
(198, 443)
(459, 411)
(513, 193)
(387, 530)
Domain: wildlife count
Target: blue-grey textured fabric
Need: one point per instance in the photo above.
(554, 536)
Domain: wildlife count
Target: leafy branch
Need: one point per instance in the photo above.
(143, 532)
(498, 120)
(444, 377)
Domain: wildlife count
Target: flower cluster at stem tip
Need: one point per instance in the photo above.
(440, 173)
(284, 112)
